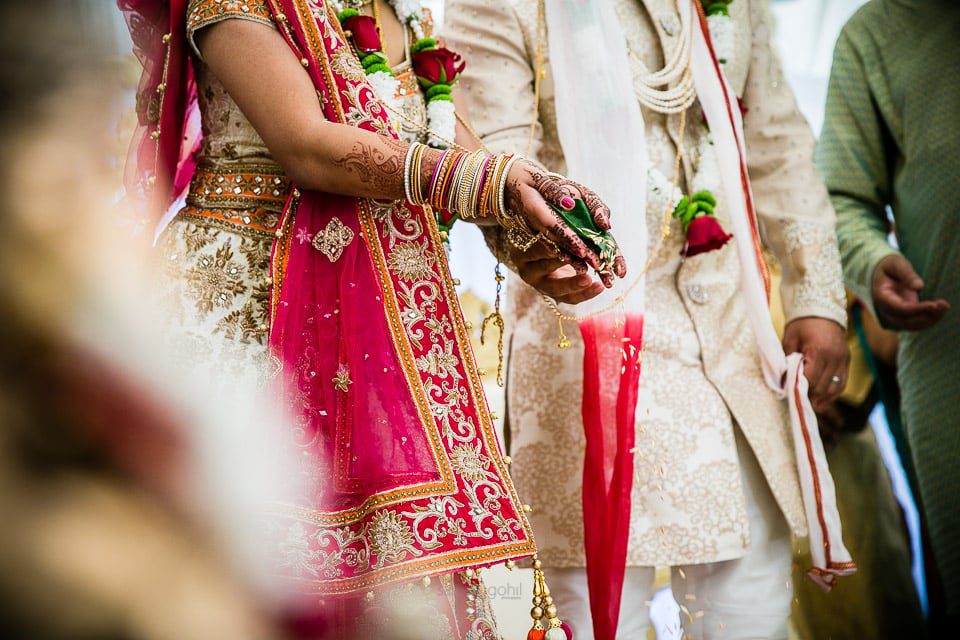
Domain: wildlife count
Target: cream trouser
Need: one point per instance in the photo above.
(739, 599)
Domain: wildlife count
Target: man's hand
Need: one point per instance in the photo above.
(556, 275)
(826, 356)
(896, 297)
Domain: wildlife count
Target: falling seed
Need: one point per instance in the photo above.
(682, 574)
(648, 603)
(698, 615)
(686, 612)
(690, 597)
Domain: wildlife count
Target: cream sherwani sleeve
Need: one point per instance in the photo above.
(796, 217)
(497, 84)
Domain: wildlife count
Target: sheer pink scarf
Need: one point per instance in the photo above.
(404, 475)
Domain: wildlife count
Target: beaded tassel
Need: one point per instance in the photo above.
(547, 625)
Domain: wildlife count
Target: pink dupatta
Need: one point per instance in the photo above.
(405, 478)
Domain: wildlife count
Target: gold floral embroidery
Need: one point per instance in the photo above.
(469, 462)
(215, 280)
(202, 13)
(345, 63)
(390, 537)
(821, 286)
(411, 261)
(333, 239)
(342, 380)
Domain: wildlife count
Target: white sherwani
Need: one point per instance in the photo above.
(701, 370)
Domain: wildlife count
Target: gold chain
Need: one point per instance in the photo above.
(651, 257)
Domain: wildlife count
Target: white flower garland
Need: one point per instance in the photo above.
(441, 114)
(706, 176)
(387, 87)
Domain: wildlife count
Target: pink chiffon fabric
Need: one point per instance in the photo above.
(611, 381)
(160, 163)
(326, 322)
(404, 477)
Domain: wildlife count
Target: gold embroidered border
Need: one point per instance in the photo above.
(281, 253)
(241, 187)
(487, 553)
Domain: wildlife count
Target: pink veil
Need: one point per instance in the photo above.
(403, 471)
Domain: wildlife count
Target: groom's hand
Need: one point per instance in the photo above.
(826, 356)
(559, 276)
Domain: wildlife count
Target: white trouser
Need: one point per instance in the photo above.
(746, 598)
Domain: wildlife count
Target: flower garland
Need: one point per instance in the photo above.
(722, 28)
(437, 68)
(697, 212)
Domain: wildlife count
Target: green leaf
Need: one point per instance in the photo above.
(437, 90)
(704, 196)
(423, 44)
(581, 222)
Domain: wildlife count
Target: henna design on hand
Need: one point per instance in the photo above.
(374, 166)
(597, 207)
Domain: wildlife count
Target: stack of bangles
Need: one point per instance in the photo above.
(468, 185)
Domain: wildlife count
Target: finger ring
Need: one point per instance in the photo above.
(836, 379)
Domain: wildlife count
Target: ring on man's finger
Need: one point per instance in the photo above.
(836, 380)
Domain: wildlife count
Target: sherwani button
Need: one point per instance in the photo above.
(698, 294)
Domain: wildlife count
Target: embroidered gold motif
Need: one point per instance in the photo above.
(411, 261)
(333, 239)
(390, 537)
(215, 280)
(342, 380)
(202, 13)
(469, 462)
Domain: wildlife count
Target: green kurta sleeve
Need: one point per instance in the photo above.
(855, 156)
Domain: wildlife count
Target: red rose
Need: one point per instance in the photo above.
(446, 218)
(704, 234)
(438, 66)
(364, 32)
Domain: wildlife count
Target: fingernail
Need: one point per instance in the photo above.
(567, 203)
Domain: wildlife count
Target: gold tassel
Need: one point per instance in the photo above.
(547, 624)
(564, 343)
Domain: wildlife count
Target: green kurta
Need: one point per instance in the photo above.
(892, 138)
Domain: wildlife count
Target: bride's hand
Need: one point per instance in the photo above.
(530, 189)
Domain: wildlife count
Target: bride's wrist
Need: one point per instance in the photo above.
(471, 186)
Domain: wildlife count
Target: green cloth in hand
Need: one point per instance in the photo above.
(581, 221)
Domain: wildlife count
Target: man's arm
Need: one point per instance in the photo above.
(856, 153)
(796, 217)
(792, 203)
(853, 156)
(497, 85)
